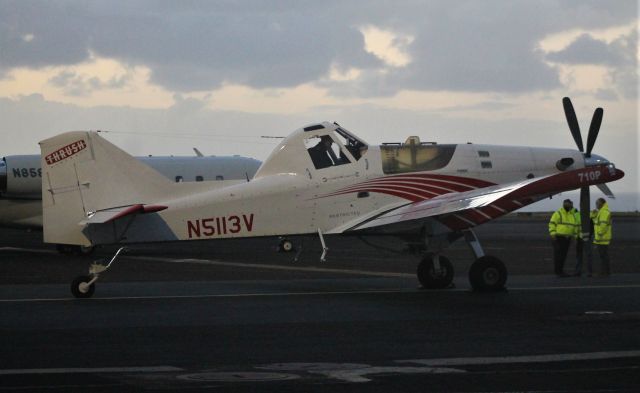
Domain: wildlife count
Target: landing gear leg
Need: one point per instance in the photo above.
(487, 273)
(84, 286)
(325, 249)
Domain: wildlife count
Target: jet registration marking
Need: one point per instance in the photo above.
(217, 226)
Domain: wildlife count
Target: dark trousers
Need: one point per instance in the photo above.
(603, 252)
(583, 248)
(560, 250)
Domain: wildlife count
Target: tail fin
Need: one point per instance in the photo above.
(83, 173)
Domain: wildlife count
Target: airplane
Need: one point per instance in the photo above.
(321, 180)
(20, 183)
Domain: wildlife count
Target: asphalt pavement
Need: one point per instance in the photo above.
(238, 316)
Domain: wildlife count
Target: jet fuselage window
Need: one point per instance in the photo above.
(415, 158)
(486, 164)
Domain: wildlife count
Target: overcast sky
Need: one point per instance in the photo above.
(217, 75)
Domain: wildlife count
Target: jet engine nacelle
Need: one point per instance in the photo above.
(20, 177)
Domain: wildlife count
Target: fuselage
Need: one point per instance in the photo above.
(289, 195)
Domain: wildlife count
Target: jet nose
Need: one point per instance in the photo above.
(3, 176)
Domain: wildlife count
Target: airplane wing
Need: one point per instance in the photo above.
(463, 210)
(108, 215)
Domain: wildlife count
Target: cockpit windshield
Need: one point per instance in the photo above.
(355, 146)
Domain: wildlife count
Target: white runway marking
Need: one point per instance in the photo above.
(28, 371)
(311, 269)
(360, 375)
(565, 357)
(31, 250)
(222, 295)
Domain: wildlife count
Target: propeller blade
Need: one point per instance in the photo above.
(606, 190)
(585, 206)
(572, 120)
(594, 129)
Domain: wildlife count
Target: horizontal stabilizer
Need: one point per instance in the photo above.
(112, 214)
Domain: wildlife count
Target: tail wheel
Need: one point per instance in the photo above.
(69, 249)
(432, 279)
(488, 274)
(80, 288)
(285, 245)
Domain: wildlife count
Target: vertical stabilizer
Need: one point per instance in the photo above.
(82, 173)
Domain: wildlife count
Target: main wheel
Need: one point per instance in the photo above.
(429, 278)
(80, 289)
(285, 245)
(488, 274)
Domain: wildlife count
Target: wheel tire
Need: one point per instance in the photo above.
(86, 250)
(488, 274)
(75, 287)
(285, 246)
(428, 277)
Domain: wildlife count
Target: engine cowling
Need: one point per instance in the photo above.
(21, 177)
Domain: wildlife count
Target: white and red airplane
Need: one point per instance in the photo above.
(322, 180)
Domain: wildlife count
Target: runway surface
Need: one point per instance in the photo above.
(236, 316)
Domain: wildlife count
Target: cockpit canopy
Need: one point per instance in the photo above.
(334, 148)
(326, 144)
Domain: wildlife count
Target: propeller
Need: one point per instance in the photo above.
(594, 129)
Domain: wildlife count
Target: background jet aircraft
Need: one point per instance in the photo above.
(320, 179)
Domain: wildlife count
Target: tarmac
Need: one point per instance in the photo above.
(238, 316)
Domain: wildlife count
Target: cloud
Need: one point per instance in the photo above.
(606, 95)
(203, 45)
(77, 85)
(588, 50)
(620, 56)
(40, 34)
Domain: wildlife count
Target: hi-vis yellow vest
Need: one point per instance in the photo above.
(602, 226)
(564, 223)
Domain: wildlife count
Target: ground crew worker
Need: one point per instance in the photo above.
(562, 227)
(602, 235)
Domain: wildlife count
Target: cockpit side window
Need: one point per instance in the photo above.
(325, 152)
